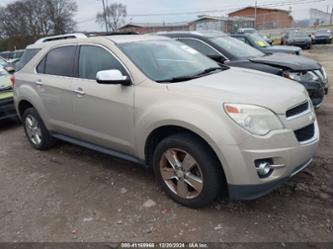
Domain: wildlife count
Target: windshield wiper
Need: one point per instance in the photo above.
(211, 69)
(194, 76)
(178, 79)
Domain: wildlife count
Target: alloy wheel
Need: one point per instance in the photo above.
(33, 129)
(181, 173)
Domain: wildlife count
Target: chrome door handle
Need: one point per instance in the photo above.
(39, 82)
(79, 91)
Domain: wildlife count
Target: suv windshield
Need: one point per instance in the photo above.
(236, 48)
(259, 40)
(298, 35)
(168, 60)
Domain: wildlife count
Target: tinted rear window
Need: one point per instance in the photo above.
(60, 61)
(27, 56)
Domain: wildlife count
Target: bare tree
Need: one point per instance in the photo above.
(114, 16)
(60, 14)
(36, 18)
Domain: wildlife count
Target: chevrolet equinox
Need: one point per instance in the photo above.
(206, 130)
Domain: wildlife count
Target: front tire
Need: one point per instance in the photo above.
(188, 170)
(36, 131)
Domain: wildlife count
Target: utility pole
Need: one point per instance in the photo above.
(331, 17)
(105, 18)
(255, 14)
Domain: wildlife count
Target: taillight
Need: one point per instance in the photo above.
(13, 80)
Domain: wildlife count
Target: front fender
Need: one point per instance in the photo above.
(204, 120)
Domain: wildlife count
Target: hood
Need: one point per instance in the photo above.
(283, 49)
(245, 86)
(293, 62)
(326, 34)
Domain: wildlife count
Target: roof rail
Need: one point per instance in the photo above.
(60, 37)
(112, 33)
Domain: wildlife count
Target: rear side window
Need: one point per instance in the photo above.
(94, 59)
(27, 56)
(59, 61)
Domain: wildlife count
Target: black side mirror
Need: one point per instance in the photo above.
(114, 77)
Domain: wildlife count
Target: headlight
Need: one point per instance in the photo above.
(257, 120)
(301, 76)
(324, 72)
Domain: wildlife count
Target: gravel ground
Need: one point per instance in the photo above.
(73, 194)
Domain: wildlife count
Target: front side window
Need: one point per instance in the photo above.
(59, 61)
(94, 59)
(200, 46)
(163, 60)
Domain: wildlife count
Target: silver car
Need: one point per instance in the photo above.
(203, 128)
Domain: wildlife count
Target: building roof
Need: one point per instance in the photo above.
(222, 18)
(205, 17)
(154, 25)
(260, 8)
(207, 33)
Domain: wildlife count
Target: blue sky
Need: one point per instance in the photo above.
(88, 9)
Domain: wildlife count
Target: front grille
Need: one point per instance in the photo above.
(297, 110)
(305, 133)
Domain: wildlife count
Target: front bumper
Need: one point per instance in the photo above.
(7, 109)
(316, 92)
(317, 97)
(251, 192)
(300, 44)
(282, 147)
(322, 40)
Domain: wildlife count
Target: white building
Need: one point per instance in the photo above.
(318, 17)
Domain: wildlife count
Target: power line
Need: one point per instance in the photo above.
(198, 12)
(297, 2)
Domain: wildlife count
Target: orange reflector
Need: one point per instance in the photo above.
(231, 109)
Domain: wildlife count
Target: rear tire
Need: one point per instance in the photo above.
(36, 131)
(194, 177)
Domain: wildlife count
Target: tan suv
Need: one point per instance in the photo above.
(152, 100)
